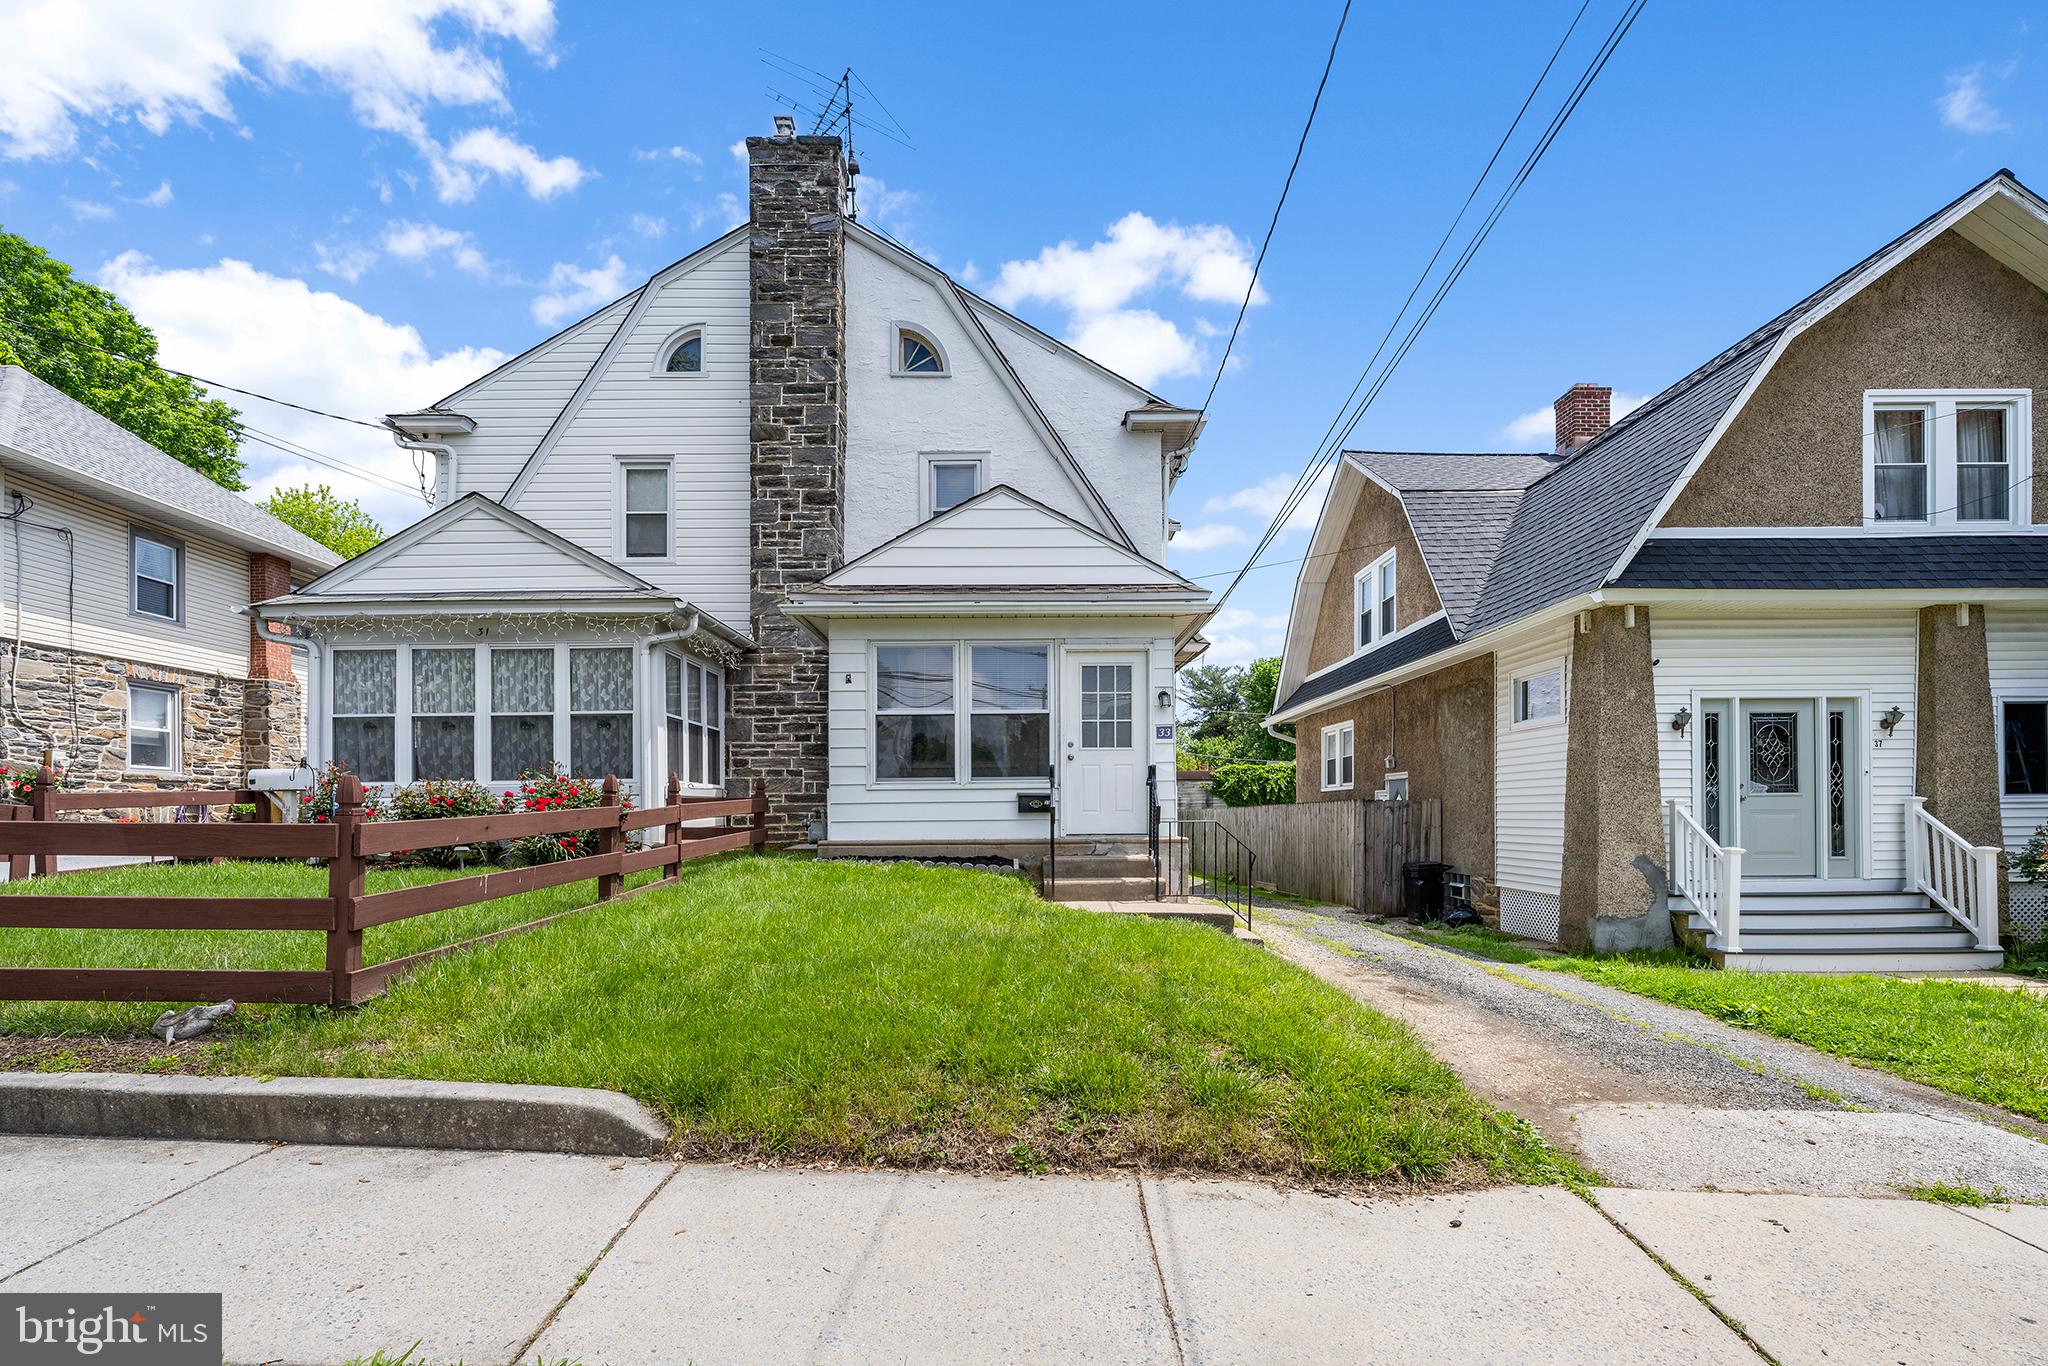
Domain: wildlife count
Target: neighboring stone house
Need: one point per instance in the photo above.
(1764, 661)
(801, 509)
(123, 573)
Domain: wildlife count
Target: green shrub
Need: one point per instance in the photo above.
(554, 790)
(1254, 784)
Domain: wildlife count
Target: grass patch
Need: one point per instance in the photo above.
(1479, 939)
(1981, 1042)
(891, 1014)
(1962, 1197)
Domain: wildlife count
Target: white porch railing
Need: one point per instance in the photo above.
(1959, 877)
(1705, 873)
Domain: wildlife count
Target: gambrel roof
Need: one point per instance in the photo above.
(1579, 523)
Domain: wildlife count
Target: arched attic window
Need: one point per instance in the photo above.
(917, 353)
(683, 354)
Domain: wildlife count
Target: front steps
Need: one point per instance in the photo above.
(1818, 929)
(1101, 870)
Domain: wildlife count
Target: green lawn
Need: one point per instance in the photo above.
(899, 1014)
(1981, 1042)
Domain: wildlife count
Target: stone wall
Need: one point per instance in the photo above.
(797, 466)
(1439, 730)
(1612, 896)
(79, 704)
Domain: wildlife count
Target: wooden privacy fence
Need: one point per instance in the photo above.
(346, 843)
(1343, 853)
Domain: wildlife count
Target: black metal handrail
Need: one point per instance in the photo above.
(1152, 827)
(1185, 849)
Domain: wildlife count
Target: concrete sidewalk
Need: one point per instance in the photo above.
(328, 1253)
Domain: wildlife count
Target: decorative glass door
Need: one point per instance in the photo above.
(1778, 788)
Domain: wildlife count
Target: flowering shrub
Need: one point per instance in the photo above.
(432, 800)
(21, 782)
(552, 789)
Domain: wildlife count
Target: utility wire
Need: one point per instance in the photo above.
(1301, 145)
(1349, 413)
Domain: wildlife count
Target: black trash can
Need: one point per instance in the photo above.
(1422, 890)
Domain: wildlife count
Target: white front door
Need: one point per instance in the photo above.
(1778, 787)
(1103, 746)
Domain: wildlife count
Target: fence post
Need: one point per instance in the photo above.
(17, 864)
(675, 827)
(760, 840)
(611, 839)
(345, 889)
(43, 807)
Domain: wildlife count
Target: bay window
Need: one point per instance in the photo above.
(692, 709)
(1947, 457)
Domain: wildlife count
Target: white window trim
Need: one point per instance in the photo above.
(923, 334)
(686, 771)
(963, 713)
(2026, 800)
(177, 730)
(1941, 462)
(928, 477)
(1331, 748)
(176, 546)
(1365, 639)
(1564, 695)
(675, 339)
(625, 464)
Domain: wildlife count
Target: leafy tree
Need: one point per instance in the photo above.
(1226, 706)
(50, 324)
(338, 523)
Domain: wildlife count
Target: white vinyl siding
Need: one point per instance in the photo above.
(1724, 652)
(697, 422)
(861, 809)
(2016, 640)
(479, 550)
(210, 637)
(1529, 769)
(1001, 540)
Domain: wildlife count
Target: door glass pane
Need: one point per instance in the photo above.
(1710, 775)
(1106, 714)
(1773, 752)
(1900, 438)
(1838, 786)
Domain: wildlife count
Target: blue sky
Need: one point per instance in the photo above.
(360, 207)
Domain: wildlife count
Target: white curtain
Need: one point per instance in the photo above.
(1983, 479)
(1901, 475)
(365, 682)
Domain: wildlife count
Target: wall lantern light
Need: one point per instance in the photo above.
(1165, 698)
(1889, 722)
(1682, 719)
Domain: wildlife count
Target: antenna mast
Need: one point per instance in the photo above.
(831, 111)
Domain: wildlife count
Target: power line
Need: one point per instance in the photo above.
(1349, 414)
(1301, 144)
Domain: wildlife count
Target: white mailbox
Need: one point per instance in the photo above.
(285, 787)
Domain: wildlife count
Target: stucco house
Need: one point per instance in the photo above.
(1764, 661)
(799, 508)
(123, 573)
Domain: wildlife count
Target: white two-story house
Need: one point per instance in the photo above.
(801, 509)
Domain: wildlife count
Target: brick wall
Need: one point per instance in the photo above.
(269, 655)
(797, 465)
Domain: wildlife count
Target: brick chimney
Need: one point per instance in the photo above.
(796, 187)
(1582, 414)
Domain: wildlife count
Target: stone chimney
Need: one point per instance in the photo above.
(796, 187)
(1582, 414)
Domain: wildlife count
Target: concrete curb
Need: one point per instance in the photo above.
(388, 1113)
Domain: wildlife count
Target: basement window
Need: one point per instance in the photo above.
(152, 729)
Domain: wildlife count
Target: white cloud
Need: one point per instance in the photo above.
(89, 208)
(422, 241)
(1238, 636)
(1265, 499)
(727, 210)
(1206, 263)
(648, 225)
(282, 336)
(484, 152)
(739, 152)
(1099, 283)
(345, 260)
(159, 64)
(574, 290)
(1538, 426)
(1136, 343)
(1966, 106)
(156, 198)
(682, 154)
(1208, 536)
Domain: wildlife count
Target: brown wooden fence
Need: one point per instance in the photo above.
(345, 843)
(1342, 853)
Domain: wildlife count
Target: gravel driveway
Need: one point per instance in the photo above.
(1658, 1097)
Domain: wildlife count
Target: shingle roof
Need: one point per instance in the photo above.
(52, 429)
(1460, 535)
(1419, 643)
(1790, 562)
(1443, 470)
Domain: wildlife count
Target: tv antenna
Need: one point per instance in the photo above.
(828, 102)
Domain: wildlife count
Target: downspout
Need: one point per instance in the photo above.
(444, 469)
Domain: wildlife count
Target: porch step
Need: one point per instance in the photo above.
(1836, 921)
(1117, 865)
(1792, 928)
(1931, 938)
(1824, 960)
(1064, 888)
